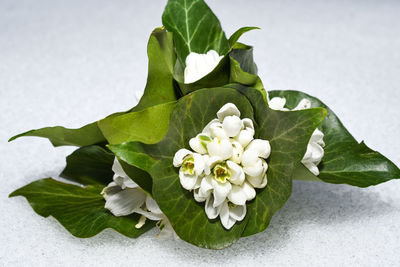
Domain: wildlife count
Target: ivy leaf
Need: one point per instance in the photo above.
(237, 34)
(195, 28)
(90, 165)
(345, 161)
(79, 209)
(148, 125)
(289, 134)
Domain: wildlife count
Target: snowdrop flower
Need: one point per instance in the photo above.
(124, 197)
(228, 163)
(199, 65)
(191, 167)
(315, 147)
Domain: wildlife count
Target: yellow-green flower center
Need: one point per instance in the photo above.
(221, 173)
(188, 165)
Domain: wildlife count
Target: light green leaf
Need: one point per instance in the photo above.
(195, 28)
(237, 34)
(90, 165)
(160, 82)
(345, 160)
(148, 125)
(289, 134)
(60, 136)
(79, 209)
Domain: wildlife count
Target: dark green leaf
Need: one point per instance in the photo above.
(195, 28)
(90, 165)
(288, 133)
(345, 160)
(79, 209)
(237, 34)
(148, 125)
(139, 176)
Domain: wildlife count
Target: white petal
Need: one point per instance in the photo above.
(187, 181)
(180, 155)
(317, 153)
(232, 125)
(248, 191)
(253, 170)
(303, 104)
(317, 137)
(237, 152)
(312, 167)
(206, 129)
(196, 145)
(125, 202)
(237, 195)
(236, 172)
(198, 195)
(221, 191)
(149, 215)
(211, 211)
(125, 182)
(216, 130)
(228, 109)
(262, 147)
(221, 148)
(206, 186)
(152, 205)
(237, 213)
(199, 65)
(199, 164)
(248, 123)
(277, 103)
(111, 189)
(250, 158)
(226, 220)
(245, 136)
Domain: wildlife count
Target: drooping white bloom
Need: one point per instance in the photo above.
(234, 164)
(315, 147)
(199, 65)
(124, 197)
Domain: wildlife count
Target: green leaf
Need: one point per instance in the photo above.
(160, 82)
(139, 176)
(345, 161)
(243, 69)
(195, 28)
(60, 136)
(289, 134)
(148, 125)
(237, 34)
(90, 165)
(79, 209)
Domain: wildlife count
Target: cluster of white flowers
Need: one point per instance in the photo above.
(123, 197)
(199, 65)
(315, 147)
(225, 166)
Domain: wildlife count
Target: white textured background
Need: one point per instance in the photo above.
(72, 62)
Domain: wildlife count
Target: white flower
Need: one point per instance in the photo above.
(230, 213)
(315, 147)
(234, 164)
(199, 65)
(124, 197)
(191, 168)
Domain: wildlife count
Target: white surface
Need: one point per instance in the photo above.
(72, 62)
